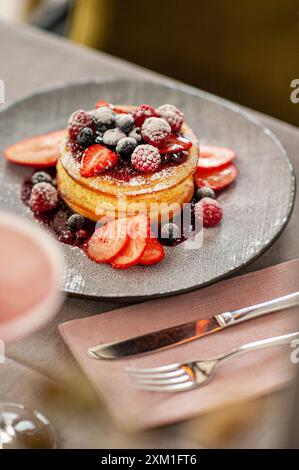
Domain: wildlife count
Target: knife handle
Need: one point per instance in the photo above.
(247, 313)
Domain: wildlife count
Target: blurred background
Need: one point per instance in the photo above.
(246, 51)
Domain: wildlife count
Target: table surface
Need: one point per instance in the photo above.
(39, 370)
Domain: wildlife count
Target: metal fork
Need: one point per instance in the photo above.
(181, 377)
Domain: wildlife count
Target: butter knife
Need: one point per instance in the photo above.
(186, 332)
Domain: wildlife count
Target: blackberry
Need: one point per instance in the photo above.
(125, 122)
(126, 146)
(86, 137)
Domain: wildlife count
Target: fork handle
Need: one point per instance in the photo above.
(254, 311)
(264, 343)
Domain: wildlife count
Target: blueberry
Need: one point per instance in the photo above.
(75, 222)
(104, 118)
(136, 134)
(204, 192)
(125, 122)
(41, 177)
(112, 136)
(126, 146)
(86, 137)
(170, 232)
(179, 157)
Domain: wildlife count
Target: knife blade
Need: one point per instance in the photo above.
(157, 340)
(190, 331)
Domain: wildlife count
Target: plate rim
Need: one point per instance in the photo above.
(176, 85)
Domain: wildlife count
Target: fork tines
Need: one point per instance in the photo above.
(172, 378)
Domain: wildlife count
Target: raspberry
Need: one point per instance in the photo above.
(146, 158)
(77, 122)
(43, 198)
(209, 210)
(142, 113)
(76, 149)
(155, 131)
(172, 115)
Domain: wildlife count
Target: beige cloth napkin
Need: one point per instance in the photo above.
(242, 378)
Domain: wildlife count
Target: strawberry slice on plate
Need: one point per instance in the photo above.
(97, 158)
(138, 233)
(102, 104)
(107, 241)
(39, 152)
(211, 156)
(153, 253)
(216, 179)
(175, 143)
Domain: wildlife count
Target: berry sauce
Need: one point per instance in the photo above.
(56, 220)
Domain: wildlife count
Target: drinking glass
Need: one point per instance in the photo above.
(30, 279)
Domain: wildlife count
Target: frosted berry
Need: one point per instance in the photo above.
(112, 136)
(43, 198)
(77, 122)
(104, 118)
(76, 149)
(155, 131)
(142, 113)
(205, 192)
(41, 177)
(125, 122)
(136, 134)
(170, 232)
(75, 222)
(126, 146)
(209, 211)
(172, 115)
(146, 158)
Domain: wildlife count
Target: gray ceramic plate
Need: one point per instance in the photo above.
(257, 207)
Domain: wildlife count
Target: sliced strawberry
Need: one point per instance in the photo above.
(217, 179)
(153, 253)
(211, 157)
(138, 233)
(175, 144)
(108, 241)
(117, 110)
(39, 152)
(97, 158)
(102, 103)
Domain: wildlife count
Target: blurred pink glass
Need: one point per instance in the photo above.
(30, 295)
